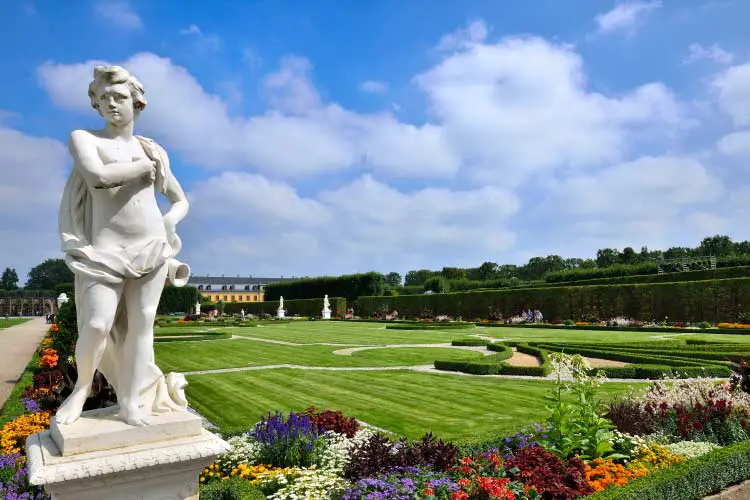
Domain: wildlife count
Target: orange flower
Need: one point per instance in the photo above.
(54, 328)
(606, 473)
(49, 358)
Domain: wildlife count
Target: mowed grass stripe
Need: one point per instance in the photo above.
(408, 403)
(348, 333)
(238, 353)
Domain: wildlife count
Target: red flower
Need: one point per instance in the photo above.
(428, 491)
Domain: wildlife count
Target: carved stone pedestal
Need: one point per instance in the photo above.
(326, 314)
(100, 457)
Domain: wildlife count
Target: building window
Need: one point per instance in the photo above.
(247, 287)
(223, 287)
(200, 287)
(225, 297)
(231, 287)
(208, 287)
(255, 298)
(233, 298)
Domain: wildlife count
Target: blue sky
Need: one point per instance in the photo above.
(335, 137)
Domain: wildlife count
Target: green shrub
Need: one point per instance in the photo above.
(634, 274)
(470, 341)
(704, 325)
(503, 351)
(232, 489)
(691, 480)
(348, 286)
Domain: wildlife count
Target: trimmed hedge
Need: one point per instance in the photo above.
(656, 329)
(470, 341)
(302, 307)
(489, 365)
(178, 299)
(430, 326)
(690, 301)
(691, 480)
(348, 286)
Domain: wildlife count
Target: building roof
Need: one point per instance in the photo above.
(232, 280)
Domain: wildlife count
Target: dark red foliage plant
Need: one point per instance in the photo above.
(330, 420)
(552, 477)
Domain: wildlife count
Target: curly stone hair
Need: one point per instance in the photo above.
(112, 75)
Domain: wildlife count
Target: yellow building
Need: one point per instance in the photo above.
(235, 289)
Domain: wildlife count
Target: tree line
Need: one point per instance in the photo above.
(538, 268)
(45, 276)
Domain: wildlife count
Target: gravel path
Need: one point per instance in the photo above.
(522, 359)
(17, 345)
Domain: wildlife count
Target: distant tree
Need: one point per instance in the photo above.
(393, 279)
(9, 279)
(453, 273)
(488, 271)
(742, 247)
(418, 277)
(718, 246)
(628, 256)
(606, 257)
(49, 274)
(677, 252)
(437, 284)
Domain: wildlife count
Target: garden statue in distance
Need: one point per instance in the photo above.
(121, 249)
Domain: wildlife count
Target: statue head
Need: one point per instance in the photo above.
(117, 95)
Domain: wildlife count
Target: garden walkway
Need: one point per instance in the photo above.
(17, 345)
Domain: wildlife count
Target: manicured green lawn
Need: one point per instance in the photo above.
(191, 356)
(7, 323)
(408, 403)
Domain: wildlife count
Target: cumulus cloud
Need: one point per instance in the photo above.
(733, 87)
(697, 52)
(203, 41)
(625, 16)
(521, 106)
(341, 229)
(736, 144)
(119, 13)
(34, 170)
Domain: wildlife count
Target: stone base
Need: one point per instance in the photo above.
(141, 463)
(280, 314)
(326, 314)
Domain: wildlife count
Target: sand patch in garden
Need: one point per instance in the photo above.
(522, 359)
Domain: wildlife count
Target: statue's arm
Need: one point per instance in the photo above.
(178, 201)
(97, 175)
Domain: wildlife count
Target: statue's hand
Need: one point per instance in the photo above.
(174, 241)
(149, 168)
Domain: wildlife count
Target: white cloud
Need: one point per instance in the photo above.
(374, 87)
(521, 106)
(736, 144)
(625, 16)
(698, 52)
(120, 13)
(475, 32)
(733, 86)
(34, 170)
(364, 223)
(204, 42)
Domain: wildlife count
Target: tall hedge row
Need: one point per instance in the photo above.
(302, 307)
(178, 299)
(348, 286)
(693, 301)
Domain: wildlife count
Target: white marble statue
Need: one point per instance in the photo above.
(281, 303)
(326, 313)
(197, 307)
(242, 314)
(280, 313)
(121, 249)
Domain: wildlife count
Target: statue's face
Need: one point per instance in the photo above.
(115, 103)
